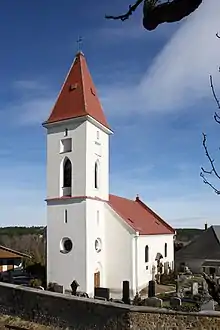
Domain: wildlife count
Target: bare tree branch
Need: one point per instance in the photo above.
(211, 161)
(129, 12)
(212, 171)
(216, 115)
(208, 183)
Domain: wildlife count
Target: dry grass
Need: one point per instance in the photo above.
(16, 321)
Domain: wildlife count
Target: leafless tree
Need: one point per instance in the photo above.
(212, 171)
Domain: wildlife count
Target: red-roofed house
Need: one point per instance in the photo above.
(94, 237)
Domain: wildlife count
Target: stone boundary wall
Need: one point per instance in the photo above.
(68, 312)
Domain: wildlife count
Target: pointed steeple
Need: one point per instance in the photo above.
(78, 96)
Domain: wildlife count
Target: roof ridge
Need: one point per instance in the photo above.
(128, 199)
(83, 84)
(214, 231)
(14, 251)
(138, 200)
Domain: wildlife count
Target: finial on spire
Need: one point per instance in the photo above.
(79, 42)
(137, 197)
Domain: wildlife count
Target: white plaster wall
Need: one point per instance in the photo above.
(86, 150)
(97, 150)
(119, 252)
(63, 268)
(76, 131)
(156, 244)
(95, 226)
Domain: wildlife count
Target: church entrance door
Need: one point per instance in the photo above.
(97, 280)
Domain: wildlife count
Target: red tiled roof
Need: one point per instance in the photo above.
(139, 216)
(78, 96)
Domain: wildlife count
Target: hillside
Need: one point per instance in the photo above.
(32, 240)
(187, 234)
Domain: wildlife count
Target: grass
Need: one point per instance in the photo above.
(16, 321)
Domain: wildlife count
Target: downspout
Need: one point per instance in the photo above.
(136, 260)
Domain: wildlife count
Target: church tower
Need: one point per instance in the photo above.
(77, 182)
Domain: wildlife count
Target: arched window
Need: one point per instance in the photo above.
(146, 253)
(66, 178)
(96, 174)
(67, 173)
(165, 250)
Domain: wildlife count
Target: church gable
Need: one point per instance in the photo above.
(139, 216)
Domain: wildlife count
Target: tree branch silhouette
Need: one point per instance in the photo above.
(212, 171)
(156, 12)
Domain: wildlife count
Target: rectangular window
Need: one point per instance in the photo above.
(165, 250)
(66, 145)
(65, 216)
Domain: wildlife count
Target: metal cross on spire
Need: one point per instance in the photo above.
(79, 42)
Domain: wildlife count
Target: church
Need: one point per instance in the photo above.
(94, 237)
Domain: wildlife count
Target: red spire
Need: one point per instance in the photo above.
(78, 96)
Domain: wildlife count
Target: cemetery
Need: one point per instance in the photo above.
(189, 294)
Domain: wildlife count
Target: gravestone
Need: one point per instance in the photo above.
(194, 288)
(102, 293)
(151, 289)
(153, 302)
(204, 286)
(166, 267)
(126, 293)
(208, 306)
(178, 286)
(175, 302)
(74, 285)
(58, 288)
(153, 272)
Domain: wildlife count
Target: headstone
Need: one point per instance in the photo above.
(58, 288)
(102, 293)
(178, 286)
(153, 272)
(153, 302)
(194, 288)
(126, 293)
(175, 302)
(74, 285)
(208, 306)
(166, 267)
(204, 286)
(151, 289)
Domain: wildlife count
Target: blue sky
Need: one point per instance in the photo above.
(154, 87)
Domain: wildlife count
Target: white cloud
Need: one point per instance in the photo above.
(34, 103)
(179, 75)
(28, 85)
(34, 111)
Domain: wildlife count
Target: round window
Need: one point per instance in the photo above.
(98, 245)
(66, 245)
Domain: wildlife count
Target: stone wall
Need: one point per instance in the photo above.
(63, 311)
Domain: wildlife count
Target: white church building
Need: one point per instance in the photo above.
(94, 237)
